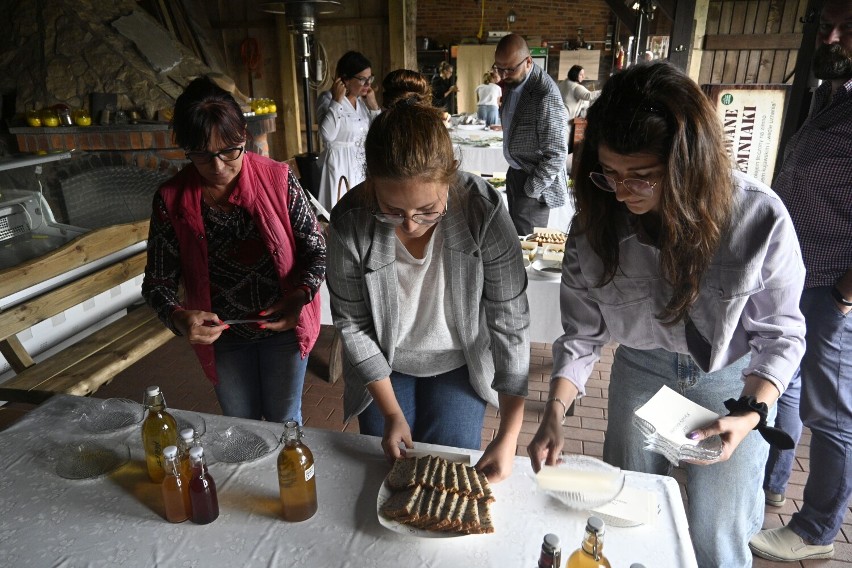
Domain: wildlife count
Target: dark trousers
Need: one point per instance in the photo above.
(526, 212)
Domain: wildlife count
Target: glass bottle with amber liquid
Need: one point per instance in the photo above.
(158, 431)
(590, 553)
(296, 479)
(186, 440)
(202, 490)
(175, 488)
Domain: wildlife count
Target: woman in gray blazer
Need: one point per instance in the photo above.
(427, 290)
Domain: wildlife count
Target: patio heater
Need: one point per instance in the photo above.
(301, 16)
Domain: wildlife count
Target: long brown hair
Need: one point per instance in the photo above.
(656, 109)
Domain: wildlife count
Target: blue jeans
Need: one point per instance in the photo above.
(724, 508)
(443, 409)
(261, 378)
(779, 464)
(488, 113)
(826, 409)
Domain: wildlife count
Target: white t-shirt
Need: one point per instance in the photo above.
(488, 94)
(427, 341)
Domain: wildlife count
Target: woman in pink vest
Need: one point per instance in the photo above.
(236, 231)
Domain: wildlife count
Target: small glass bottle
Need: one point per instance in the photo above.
(296, 479)
(186, 440)
(175, 488)
(202, 490)
(551, 553)
(158, 431)
(590, 553)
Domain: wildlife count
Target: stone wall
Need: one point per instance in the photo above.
(56, 51)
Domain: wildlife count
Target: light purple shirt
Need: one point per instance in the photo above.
(748, 299)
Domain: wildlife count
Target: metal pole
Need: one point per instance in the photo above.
(304, 75)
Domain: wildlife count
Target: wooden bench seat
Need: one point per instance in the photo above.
(86, 365)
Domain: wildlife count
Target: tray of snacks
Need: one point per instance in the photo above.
(432, 497)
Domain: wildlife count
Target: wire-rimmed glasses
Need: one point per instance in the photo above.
(397, 219)
(226, 155)
(636, 186)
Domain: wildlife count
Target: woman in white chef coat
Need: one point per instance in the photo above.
(344, 114)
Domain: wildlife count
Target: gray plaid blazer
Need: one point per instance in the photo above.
(537, 138)
(486, 283)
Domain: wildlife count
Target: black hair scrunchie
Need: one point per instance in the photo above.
(775, 436)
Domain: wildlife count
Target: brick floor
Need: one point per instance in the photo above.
(175, 369)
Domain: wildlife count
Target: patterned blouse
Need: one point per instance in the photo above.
(242, 273)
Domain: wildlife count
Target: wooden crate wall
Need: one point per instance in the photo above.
(751, 41)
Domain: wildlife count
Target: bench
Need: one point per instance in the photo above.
(83, 367)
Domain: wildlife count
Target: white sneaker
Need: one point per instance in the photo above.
(774, 499)
(784, 545)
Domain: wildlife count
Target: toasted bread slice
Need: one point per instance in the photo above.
(446, 512)
(451, 482)
(475, 486)
(470, 519)
(439, 474)
(403, 474)
(457, 514)
(464, 482)
(487, 492)
(424, 464)
(402, 503)
(486, 525)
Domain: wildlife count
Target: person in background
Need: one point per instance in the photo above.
(694, 270)
(344, 114)
(234, 230)
(405, 84)
(815, 182)
(535, 136)
(427, 290)
(488, 99)
(575, 96)
(444, 88)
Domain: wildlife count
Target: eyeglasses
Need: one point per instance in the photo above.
(364, 80)
(507, 70)
(397, 219)
(226, 155)
(638, 187)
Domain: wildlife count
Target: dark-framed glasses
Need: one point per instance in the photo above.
(397, 219)
(636, 186)
(226, 155)
(364, 80)
(507, 70)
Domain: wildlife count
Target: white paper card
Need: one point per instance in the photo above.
(674, 416)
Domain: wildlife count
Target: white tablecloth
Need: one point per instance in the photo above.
(117, 520)
(476, 157)
(543, 297)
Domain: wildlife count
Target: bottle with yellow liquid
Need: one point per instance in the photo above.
(590, 553)
(175, 488)
(296, 478)
(186, 440)
(158, 431)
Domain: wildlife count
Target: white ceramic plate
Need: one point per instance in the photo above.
(548, 269)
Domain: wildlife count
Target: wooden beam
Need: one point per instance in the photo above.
(627, 16)
(402, 29)
(16, 354)
(289, 110)
(683, 21)
(669, 7)
(734, 42)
